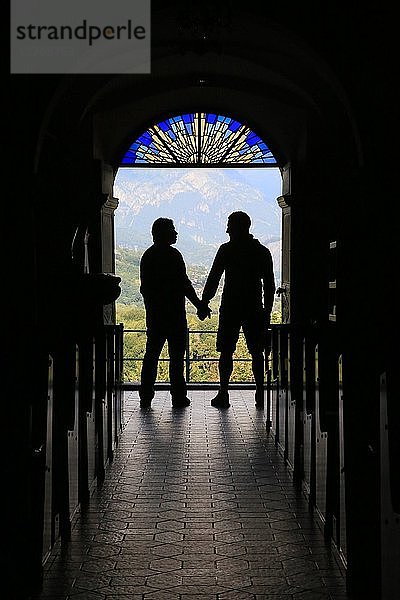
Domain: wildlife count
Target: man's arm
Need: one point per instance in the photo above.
(203, 310)
(145, 287)
(188, 288)
(214, 276)
(190, 293)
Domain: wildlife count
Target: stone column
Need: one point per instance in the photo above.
(284, 203)
(108, 250)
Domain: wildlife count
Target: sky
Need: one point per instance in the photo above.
(267, 180)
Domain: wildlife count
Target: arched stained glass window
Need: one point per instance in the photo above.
(198, 139)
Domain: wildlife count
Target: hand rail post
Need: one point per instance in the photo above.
(268, 421)
(187, 361)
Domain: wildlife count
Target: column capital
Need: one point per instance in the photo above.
(285, 201)
(110, 204)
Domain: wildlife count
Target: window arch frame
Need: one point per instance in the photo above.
(273, 160)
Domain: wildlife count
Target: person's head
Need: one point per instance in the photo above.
(238, 224)
(163, 231)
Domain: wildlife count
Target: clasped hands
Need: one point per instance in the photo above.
(203, 310)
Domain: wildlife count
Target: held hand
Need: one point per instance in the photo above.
(203, 311)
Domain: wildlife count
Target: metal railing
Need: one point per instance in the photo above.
(189, 359)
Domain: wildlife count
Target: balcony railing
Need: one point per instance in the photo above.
(192, 356)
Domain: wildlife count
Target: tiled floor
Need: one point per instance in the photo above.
(197, 504)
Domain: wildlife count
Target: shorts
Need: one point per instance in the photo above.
(254, 327)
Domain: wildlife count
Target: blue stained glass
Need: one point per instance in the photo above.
(177, 140)
(145, 138)
(252, 138)
(234, 126)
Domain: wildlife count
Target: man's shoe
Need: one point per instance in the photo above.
(145, 403)
(146, 395)
(221, 400)
(180, 402)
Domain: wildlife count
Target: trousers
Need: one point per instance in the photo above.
(157, 335)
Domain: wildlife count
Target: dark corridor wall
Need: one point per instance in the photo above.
(325, 74)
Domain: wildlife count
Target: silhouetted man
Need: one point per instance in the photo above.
(246, 302)
(165, 287)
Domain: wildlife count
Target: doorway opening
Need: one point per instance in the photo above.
(196, 169)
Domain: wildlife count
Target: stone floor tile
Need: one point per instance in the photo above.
(108, 537)
(232, 565)
(121, 590)
(165, 564)
(170, 525)
(231, 550)
(91, 581)
(203, 580)
(200, 547)
(161, 595)
(274, 592)
(234, 581)
(286, 525)
(199, 595)
(305, 580)
(137, 535)
(207, 591)
(312, 595)
(164, 580)
(85, 595)
(236, 595)
(98, 566)
(198, 534)
(166, 550)
(230, 536)
(262, 553)
(296, 565)
(113, 596)
(272, 596)
(196, 504)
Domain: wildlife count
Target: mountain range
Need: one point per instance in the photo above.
(199, 202)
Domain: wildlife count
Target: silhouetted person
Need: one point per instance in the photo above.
(165, 287)
(246, 302)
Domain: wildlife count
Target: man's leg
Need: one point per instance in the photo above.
(154, 344)
(227, 337)
(225, 367)
(253, 329)
(176, 349)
